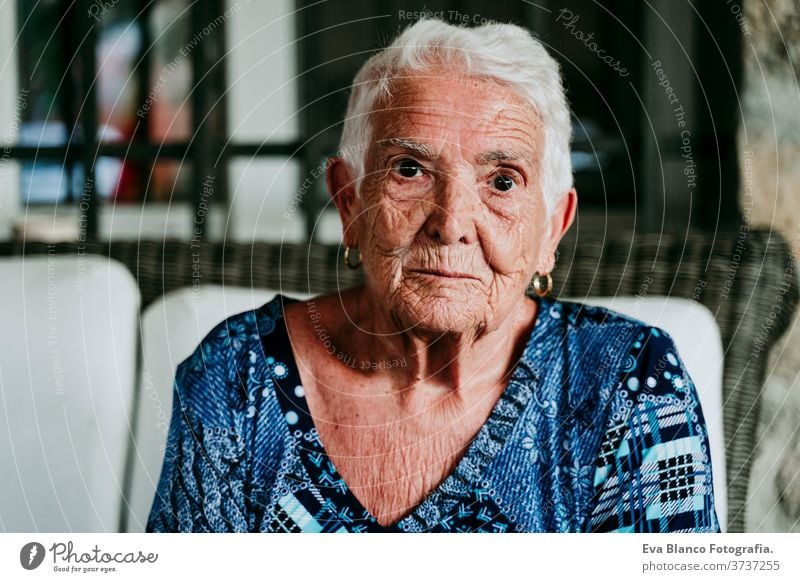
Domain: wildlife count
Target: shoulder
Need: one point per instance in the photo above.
(208, 383)
(615, 360)
(653, 363)
(599, 319)
(592, 335)
(645, 345)
(228, 342)
(582, 316)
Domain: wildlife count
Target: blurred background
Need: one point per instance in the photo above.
(156, 97)
(151, 128)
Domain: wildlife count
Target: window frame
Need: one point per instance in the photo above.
(207, 149)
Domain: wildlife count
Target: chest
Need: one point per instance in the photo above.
(390, 458)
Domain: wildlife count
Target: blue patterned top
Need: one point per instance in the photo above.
(599, 429)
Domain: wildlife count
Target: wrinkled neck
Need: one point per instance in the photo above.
(458, 363)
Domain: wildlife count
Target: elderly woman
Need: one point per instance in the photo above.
(439, 396)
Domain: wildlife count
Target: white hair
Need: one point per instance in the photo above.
(504, 53)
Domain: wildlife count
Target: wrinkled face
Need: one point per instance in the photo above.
(451, 221)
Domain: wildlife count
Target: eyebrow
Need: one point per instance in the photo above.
(504, 156)
(410, 145)
(427, 152)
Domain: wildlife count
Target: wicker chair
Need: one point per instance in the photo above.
(745, 278)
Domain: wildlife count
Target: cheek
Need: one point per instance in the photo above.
(507, 253)
(393, 226)
(511, 240)
(390, 230)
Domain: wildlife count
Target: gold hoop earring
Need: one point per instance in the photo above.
(347, 258)
(537, 284)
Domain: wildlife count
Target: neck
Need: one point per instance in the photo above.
(457, 363)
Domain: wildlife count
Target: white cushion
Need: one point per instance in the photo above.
(699, 343)
(67, 372)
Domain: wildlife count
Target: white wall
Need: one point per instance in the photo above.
(262, 107)
(329, 227)
(261, 68)
(262, 205)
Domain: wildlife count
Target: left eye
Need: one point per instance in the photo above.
(503, 183)
(408, 168)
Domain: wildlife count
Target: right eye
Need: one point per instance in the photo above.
(408, 168)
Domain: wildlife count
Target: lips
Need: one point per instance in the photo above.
(445, 273)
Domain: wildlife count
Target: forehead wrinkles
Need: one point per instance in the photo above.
(437, 106)
(447, 91)
(478, 137)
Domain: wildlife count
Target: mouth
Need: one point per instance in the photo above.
(444, 274)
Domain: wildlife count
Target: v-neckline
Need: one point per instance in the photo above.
(462, 482)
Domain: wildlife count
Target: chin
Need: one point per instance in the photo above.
(439, 311)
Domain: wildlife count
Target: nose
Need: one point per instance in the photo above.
(454, 212)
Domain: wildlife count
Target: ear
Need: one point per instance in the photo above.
(559, 222)
(342, 190)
